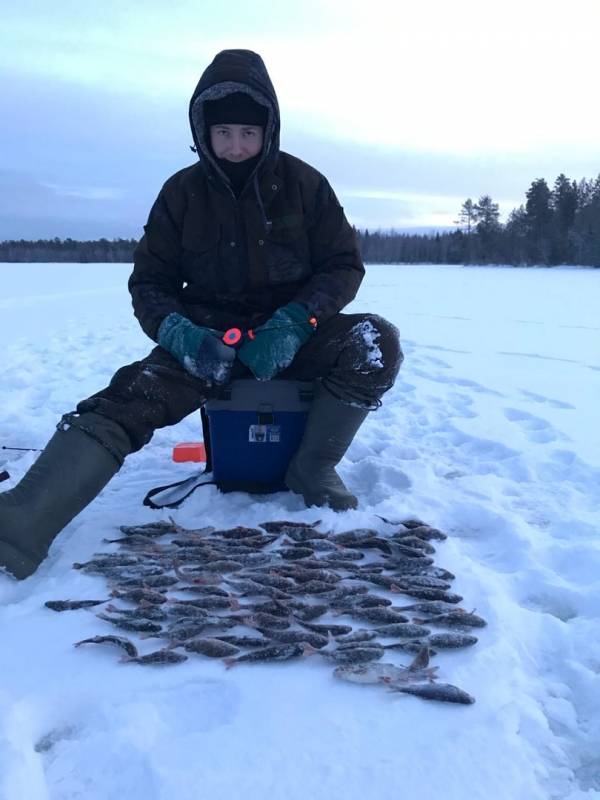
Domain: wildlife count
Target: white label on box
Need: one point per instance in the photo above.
(264, 433)
(274, 432)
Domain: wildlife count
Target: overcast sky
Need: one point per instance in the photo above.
(407, 107)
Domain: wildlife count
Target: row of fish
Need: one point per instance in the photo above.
(249, 595)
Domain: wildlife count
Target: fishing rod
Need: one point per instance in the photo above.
(24, 449)
(235, 336)
(4, 475)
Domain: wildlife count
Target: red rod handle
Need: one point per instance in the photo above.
(232, 337)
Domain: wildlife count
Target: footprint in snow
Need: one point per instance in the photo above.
(540, 398)
(455, 381)
(554, 601)
(536, 429)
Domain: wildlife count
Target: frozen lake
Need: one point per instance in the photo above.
(491, 433)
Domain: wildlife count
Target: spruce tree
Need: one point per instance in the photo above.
(564, 206)
(488, 229)
(539, 221)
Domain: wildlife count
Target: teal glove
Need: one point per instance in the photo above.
(199, 350)
(276, 342)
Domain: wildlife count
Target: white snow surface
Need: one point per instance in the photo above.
(490, 433)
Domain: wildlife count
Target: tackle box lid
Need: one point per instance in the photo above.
(247, 394)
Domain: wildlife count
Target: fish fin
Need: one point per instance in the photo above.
(421, 660)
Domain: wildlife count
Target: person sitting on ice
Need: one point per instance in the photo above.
(247, 237)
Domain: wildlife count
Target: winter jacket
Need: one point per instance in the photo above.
(222, 261)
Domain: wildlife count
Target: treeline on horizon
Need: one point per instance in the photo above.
(555, 226)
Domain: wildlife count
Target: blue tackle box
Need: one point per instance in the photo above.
(252, 430)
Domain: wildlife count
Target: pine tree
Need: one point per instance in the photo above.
(488, 228)
(563, 202)
(467, 218)
(515, 236)
(467, 215)
(539, 221)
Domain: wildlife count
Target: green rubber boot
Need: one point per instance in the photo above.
(330, 429)
(72, 469)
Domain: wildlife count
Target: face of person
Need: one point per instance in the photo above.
(236, 142)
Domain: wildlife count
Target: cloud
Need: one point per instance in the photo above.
(453, 78)
(86, 192)
(30, 208)
(407, 111)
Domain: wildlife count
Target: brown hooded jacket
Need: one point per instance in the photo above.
(222, 261)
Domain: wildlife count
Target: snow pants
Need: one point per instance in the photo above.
(357, 356)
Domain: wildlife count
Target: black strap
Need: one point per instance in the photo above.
(206, 437)
(4, 476)
(194, 482)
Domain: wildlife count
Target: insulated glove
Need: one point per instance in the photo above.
(199, 350)
(276, 343)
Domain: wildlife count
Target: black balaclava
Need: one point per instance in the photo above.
(237, 71)
(236, 108)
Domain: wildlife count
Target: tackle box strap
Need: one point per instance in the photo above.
(175, 499)
(177, 493)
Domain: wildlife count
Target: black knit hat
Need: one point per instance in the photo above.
(237, 108)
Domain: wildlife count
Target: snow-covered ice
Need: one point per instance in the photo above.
(490, 433)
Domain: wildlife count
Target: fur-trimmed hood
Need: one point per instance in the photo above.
(235, 71)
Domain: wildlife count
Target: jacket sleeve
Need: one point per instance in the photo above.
(156, 280)
(337, 266)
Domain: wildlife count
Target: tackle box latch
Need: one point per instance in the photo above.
(265, 414)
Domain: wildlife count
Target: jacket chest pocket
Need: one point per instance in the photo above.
(200, 255)
(209, 264)
(286, 254)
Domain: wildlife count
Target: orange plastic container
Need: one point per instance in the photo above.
(189, 451)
